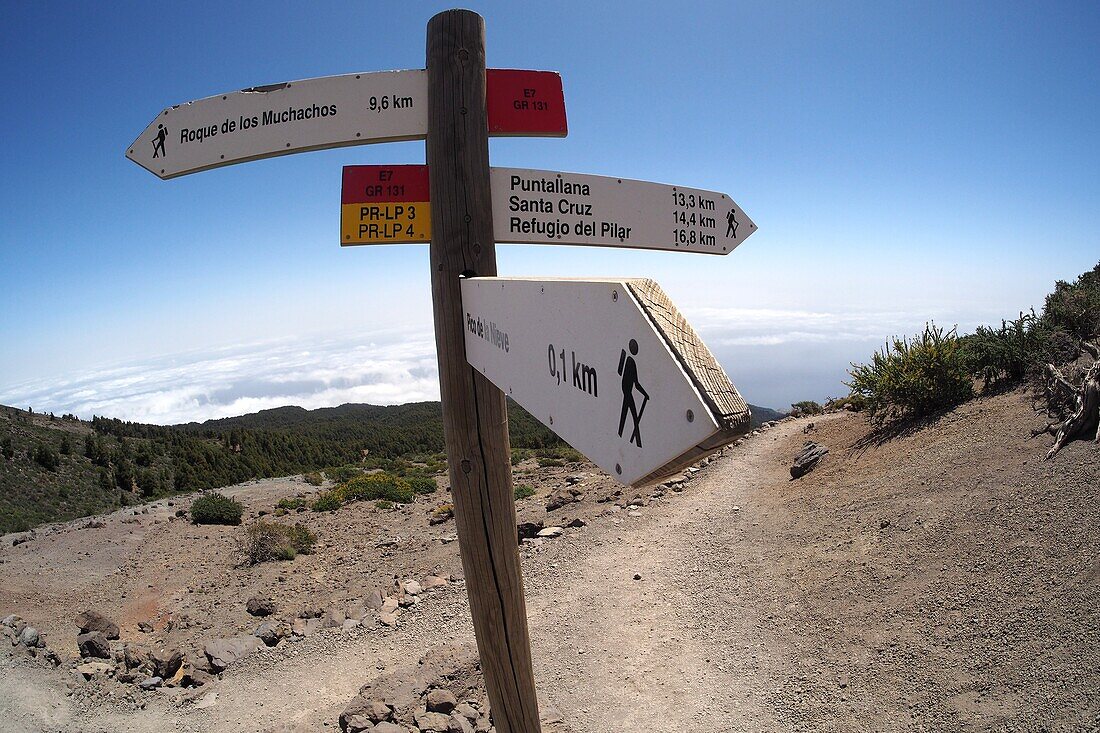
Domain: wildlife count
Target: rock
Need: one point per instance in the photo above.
(93, 644)
(441, 701)
(389, 619)
(467, 711)
(355, 612)
(563, 497)
(412, 587)
(269, 633)
(482, 725)
(363, 715)
(389, 605)
(349, 624)
(150, 683)
(90, 621)
(432, 581)
(459, 724)
(550, 532)
(528, 530)
(29, 637)
(435, 722)
(260, 607)
(145, 627)
(575, 479)
(305, 626)
(165, 662)
(388, 727)
(807, 459)
(333, 619)
(91, 669)
(224, 652)
(133, 657)
(578, 522)
(10, 621)
(375, 599)
(637, 576)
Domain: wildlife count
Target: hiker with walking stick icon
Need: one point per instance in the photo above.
(628, 370)
(158, 141)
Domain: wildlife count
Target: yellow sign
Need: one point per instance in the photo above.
(385, 205)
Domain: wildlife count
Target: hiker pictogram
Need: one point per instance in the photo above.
(158, 142)
(731, 224)
(628, 369)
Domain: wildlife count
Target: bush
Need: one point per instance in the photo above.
(383, 504)
(1074, 308)
(313, 478)
(854, 403)
(519, 455)
(1008, 354)
(377, 486)
(422, 485)
(291, 505)
(268, 541)
(806, 407)
(522, 491)
(214, 508)
(47, 457)
(326, 501)
(913, 378)
(340, 474)
(547, 462)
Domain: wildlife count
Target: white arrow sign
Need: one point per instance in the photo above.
(609, 365)
(547, 207)
(279, 119)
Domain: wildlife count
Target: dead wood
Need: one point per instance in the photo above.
(1083, 422)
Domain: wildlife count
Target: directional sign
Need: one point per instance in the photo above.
(547, 207)
(331, 112)
(385, 204)
(609, 365)
(279, 119)
(525, 103)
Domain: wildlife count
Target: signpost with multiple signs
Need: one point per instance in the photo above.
(610, 365)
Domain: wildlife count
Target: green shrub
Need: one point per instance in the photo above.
(291, 505)
(214, 508)
(547, 462)
(340, 474)
(1074, 308)
(853, 402)
(522, 491)
(383, 504)
(806, 407)
(913, 377)
(422, 485)
(327, 501)
(1006, 355)
(519, 455)
(313, 478)
(268, 541)
(47, 457)
(377, 486)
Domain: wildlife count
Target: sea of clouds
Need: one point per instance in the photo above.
(775, 357)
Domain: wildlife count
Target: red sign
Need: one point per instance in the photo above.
(385, 204)
(525, 103)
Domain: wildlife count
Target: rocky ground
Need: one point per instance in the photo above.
(942, 579)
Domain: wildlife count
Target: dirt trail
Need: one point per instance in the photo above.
(945, 579)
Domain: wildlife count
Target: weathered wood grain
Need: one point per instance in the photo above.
(474, 416)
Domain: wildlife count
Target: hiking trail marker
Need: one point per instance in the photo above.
(610, 365)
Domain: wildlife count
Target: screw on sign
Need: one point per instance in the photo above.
(662, 388)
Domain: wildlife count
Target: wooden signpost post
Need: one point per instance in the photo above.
(610, 365)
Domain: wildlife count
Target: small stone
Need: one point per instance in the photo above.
(90, 621)
(550, 532)
(432, 581)
(637, 576)
(387, 727)
(388, 619)
(165, 662)
(260, 606)
(91, 669)
(224, 652)
(434, 722)
(30, 637)
(150, 683)
(412, 587)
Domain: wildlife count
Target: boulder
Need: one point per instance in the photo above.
(412, 587)
(30, 637)
(260, 607)
(91, 669)
(269, 632)
(165, 662)
(440, 701)
(93, 644)
(434, 722)
(224, 652)
(134, 658)
(333, 618)
(459, 724)
(150, 683)
(807, 459)
(90, 621)
(375, 599)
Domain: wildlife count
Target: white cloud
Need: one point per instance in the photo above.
(378, 368)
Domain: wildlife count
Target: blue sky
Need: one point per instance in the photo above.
(902, 161)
